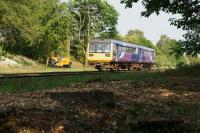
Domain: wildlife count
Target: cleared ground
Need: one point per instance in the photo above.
(38, 69)
(115, 102)
(20, 64)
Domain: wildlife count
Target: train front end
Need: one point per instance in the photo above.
(100, 53)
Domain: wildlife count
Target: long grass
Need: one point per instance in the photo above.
(39, 83)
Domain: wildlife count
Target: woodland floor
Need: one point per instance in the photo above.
(105, 106)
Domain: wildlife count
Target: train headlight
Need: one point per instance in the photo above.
(107, 55)
(91, 55)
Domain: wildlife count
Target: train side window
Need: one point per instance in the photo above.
(145, 52)
(142, 51)
(120, 48)
(123, 49)
(107, 47)
(136, 50)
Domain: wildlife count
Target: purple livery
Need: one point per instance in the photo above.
(123, 55)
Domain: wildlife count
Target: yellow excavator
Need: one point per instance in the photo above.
(57, 60)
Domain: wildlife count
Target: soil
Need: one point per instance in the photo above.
(99, 106)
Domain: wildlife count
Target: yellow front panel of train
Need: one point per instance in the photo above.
(99, 57)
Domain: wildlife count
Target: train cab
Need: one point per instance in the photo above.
(100, 52)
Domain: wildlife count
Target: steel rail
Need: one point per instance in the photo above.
(51, 74)
(46, 74)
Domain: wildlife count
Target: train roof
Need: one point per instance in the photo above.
(122, 43)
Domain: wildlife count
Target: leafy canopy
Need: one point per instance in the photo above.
(92, 18)
(137, 37)
(164, 56)
(33, 28)
(189, 21)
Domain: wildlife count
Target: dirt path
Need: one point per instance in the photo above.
(115, 106)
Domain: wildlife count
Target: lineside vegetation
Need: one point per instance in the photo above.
(38, 27)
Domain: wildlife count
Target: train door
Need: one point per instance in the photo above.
(139, 55)
(117, 52)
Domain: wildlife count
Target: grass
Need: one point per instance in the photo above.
(39, 83)
(31, 84)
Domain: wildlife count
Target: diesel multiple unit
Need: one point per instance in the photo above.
(116, 55)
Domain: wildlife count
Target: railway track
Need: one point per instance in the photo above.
(51, 74)
(47, 74)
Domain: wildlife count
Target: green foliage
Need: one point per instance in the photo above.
(189, 21)
(184, 69)
(37, 27)
(92, 18)
(191, 44)
(137, 37)
(56, 22)
(34, 28)
(165, 57)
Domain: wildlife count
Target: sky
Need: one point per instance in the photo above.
(153, 27)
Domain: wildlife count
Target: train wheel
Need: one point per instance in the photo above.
(111, 69)
(99, 69)
(129, 69)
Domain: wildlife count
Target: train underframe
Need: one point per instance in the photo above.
(121, 66)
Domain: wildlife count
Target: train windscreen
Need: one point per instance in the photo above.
(99, 47)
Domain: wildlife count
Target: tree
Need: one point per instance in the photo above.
(91, 18)
(34, 28)
(165, 56)
(189, 21)
(137, 37)
(56, 22)
(16, 25)
(165, 44)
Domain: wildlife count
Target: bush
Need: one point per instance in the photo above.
(185, 69)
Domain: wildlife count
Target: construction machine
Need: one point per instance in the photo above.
(57, 60)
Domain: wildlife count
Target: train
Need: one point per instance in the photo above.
(116, 55)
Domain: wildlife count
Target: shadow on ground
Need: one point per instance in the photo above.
(87, 111)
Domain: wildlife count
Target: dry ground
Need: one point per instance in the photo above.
(105, 106)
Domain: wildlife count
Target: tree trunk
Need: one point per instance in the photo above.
(68, 45)
(47, 61)
(87, 39)
(48, 55)
(86, 55)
